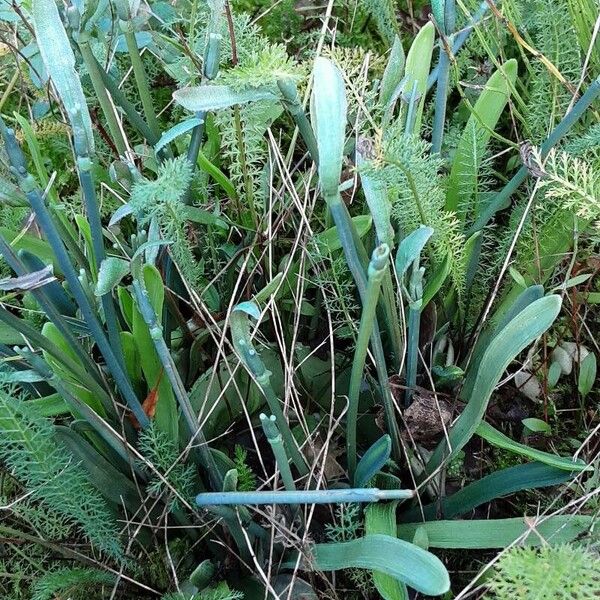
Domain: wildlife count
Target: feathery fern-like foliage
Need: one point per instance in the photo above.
(71, 582)
(28, 447)
(383, 12)
(549, 573)
(572, 182)
(550, 27)
(160, 450)
(162, 199)
(411, 174)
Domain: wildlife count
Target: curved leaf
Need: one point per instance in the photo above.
(410, 248)
(418, 63)
(112, 270)
(497, 438)
(406, 562)
(496, 485)
(380, 518)
(330, 240)
(174, 132)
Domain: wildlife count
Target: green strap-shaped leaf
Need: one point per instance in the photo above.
(524, 329)
(106, 478)
(503, 315)
(497, 438)
(402, 560)
(215, 97)
(462, 182)
(380, 518)
(59, 61)
(496, 485)
(373, 461)
(410, 248)
(167, 413)
(418, 64)
(378, 203)
(328, 115)
(394, 71)
(500, 533)
(329, 240)
(171, 134)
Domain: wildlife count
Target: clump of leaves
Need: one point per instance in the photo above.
(549, 573)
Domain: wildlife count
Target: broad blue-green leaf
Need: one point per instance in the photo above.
(171, 134)
(29, 281)
(410, 248)
(25, 376)
(59, 61)
(215, 97)
(328, 116)
(438, 9)
(503, 315)
(497, 438)
(112, 270)
(500, 533)
(123, 211)
(373, 461)
(402, 560)
(520, 332)
(380, 518)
